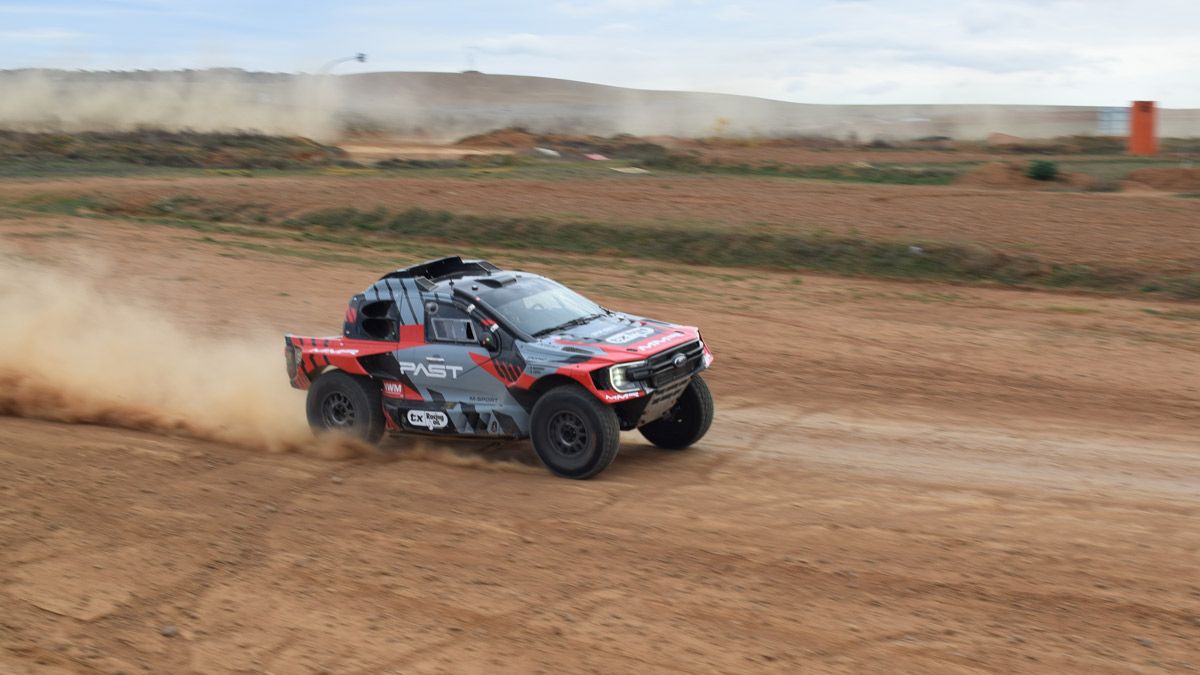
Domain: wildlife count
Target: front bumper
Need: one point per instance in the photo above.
(665, 377)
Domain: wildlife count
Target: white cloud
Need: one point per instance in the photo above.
(39, 35)
(521, 44)
(619, 28)
(596, 7)
(1088, 52)
(733, 12)
(77, 10)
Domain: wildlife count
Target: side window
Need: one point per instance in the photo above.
(448, 323)
(453, 330)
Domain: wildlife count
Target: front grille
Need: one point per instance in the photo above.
(661, 368)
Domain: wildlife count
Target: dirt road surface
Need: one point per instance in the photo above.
(901, 478)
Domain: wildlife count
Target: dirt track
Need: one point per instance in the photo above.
(901, 478)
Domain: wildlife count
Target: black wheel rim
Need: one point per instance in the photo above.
(337, 411)
(568, 434)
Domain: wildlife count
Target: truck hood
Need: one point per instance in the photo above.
(623, 337)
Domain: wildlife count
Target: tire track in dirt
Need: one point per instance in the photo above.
(846, 514)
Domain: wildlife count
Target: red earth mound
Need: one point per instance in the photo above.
(1001, 175)
(501, 138)
(1169, 179)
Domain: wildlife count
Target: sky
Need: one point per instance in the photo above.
(1060, 52)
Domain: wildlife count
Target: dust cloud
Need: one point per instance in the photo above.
(440, 107)
(493, 457)
(204, 101)
(72, 353)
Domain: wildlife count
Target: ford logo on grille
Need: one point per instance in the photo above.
(678, 360)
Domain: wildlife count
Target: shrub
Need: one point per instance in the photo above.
(1040, 169)
(1182, 288)
(641, 152)
(675, 162)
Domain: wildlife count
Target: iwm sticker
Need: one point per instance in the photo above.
(393, 389)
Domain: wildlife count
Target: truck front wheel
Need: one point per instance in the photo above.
(573, 434)
(686, 422)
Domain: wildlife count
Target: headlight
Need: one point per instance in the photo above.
(618, 376)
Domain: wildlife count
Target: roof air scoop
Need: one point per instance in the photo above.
(444, 268)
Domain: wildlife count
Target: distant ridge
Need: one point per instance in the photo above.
(445, 106)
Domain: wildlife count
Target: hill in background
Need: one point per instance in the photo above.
(446, 106)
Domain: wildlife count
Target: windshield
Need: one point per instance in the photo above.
(538, 306)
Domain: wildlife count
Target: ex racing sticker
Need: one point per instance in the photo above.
(428, 419)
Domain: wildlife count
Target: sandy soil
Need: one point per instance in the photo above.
(1149, 232)
(901, 478)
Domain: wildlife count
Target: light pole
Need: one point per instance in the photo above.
(360, 57)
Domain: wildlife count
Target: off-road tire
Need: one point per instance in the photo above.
(345, 403)
(686, 422)
(575, 435)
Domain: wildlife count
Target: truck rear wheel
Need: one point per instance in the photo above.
(686, 422)
(573, 434)
(343, 403)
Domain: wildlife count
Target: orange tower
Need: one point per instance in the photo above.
(1142, 137)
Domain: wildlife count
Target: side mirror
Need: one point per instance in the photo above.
(489, 341)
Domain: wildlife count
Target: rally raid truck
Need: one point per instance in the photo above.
(461, 347)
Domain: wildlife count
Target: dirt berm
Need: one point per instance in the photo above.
(1168, 179)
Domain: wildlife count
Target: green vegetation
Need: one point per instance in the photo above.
(940, 174)
(185, 153)
(1185, 288)
(1174, 315)
(1189, 146)
(1112, 169)
(11, 167)
(697, 244)
(188, 207)
(1040, 169)
(166, 149)
(1065, 145)
(466, 162)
